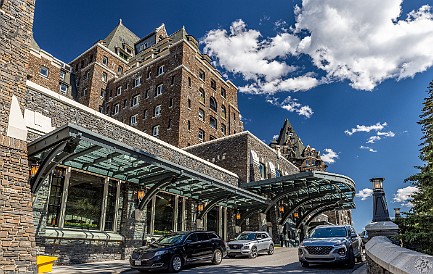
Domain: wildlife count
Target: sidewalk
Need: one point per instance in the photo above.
(109, 267)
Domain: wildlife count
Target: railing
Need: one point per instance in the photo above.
(385, 257)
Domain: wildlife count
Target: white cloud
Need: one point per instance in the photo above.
(386, 134)
(364, 194)
(329, 156)
(373, 139)
(364, 42)
(404, 195)
(362, 128)
(292, 105)
(368, 148)
(275, 137)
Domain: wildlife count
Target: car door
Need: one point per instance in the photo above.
(267, 240)
(354, 239)
(261, 239)
(192, 247)
(205, 245)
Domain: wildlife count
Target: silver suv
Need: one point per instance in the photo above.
(251, 243)
(330, 244)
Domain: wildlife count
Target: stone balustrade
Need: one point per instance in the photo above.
(385, 257)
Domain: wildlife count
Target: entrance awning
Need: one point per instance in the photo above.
(307, 194)
(82, 149)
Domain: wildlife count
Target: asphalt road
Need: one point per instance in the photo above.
(284, 260)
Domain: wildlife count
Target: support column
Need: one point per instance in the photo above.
(175, 212)
(17, 231)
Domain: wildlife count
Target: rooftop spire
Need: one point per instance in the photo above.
(120, 21)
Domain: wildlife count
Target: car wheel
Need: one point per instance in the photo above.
(231, 255)
(271, 249)
(305, 264)
(351, 259)
(217, 257)
(254, 252)
(175, 264)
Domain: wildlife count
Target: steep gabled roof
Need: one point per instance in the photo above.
(33, 44)
(288, 136)
(120, 34)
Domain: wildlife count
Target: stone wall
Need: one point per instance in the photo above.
(234, 153)
(385, 257)
(17, 244)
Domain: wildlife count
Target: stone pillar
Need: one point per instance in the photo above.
(17, 233)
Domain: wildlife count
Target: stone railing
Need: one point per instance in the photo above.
(385, 257)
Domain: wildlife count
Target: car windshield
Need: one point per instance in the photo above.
(171, 239)
(247, 236)
(328, 232)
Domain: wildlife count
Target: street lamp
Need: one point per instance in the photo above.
(140, 195)
(200, 207)
(377, 183)
(397, 212)
(281, 208)
(238, 216)
(295, 214)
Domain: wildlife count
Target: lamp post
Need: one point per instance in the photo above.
(397, 212)
(380, 208)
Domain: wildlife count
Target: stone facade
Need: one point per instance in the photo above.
(243, 153)
(17, 243)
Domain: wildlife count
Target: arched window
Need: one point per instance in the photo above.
(213, 104)
(223, 111)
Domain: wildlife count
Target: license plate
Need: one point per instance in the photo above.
(137, 262)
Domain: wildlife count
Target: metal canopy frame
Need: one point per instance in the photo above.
(313, 190)
(107, 157)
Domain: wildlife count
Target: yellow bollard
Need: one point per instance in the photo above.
(45, 263)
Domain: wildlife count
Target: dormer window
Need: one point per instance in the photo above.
(105, 60)
(202, 75)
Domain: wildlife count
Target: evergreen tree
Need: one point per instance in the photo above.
(417, 227)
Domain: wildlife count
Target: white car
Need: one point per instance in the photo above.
(251, 243)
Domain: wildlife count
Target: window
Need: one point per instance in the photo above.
(84, 91)
(189, 103)
(169, 123)
(211, 137)
(91, 58)
(201, 114)
(262, 169)
(133, 120)
(223, 111)
(126, 86)
(44, 71)
(212, 122)
(213, 104)
(160, 70)
(149, 74)
(189, 125)
(125, 103)
(223, 93)
(135, 100)
(137, 82)
(82, 63)
(202, 95)
(105, 60)
(172, 80)
(158, 90)
(55, 199)
(155, 131)
(234, 116)
(171, 102)
(119, 69)
(116, 109)
(84, 203)
(277, 173)
(157, 111)
(200, 135)
(213, 84)
(118, 90)
(202, 75)
(111, 206)
(102, 93)
(223, 129)
(146, 94)
(189, 81)
(104, 77)
(145, 114)
(63, 88)
(62, 75)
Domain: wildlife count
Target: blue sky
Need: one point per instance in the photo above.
(349, 75)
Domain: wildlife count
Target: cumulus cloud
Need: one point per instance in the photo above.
(329, 156)
(292, 105)
(362, 128)
(364, 194)
(368, 148)
(363, 42)
(373, 139)
(404, 195)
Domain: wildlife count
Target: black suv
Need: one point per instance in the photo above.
(173, 251)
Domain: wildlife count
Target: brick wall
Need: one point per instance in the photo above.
(17, 253)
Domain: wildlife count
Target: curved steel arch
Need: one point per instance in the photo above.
(332, 203)
(155, 189)
(212, 204)
(317, 213)
(249, 213)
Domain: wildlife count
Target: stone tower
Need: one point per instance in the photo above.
(17, 244)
